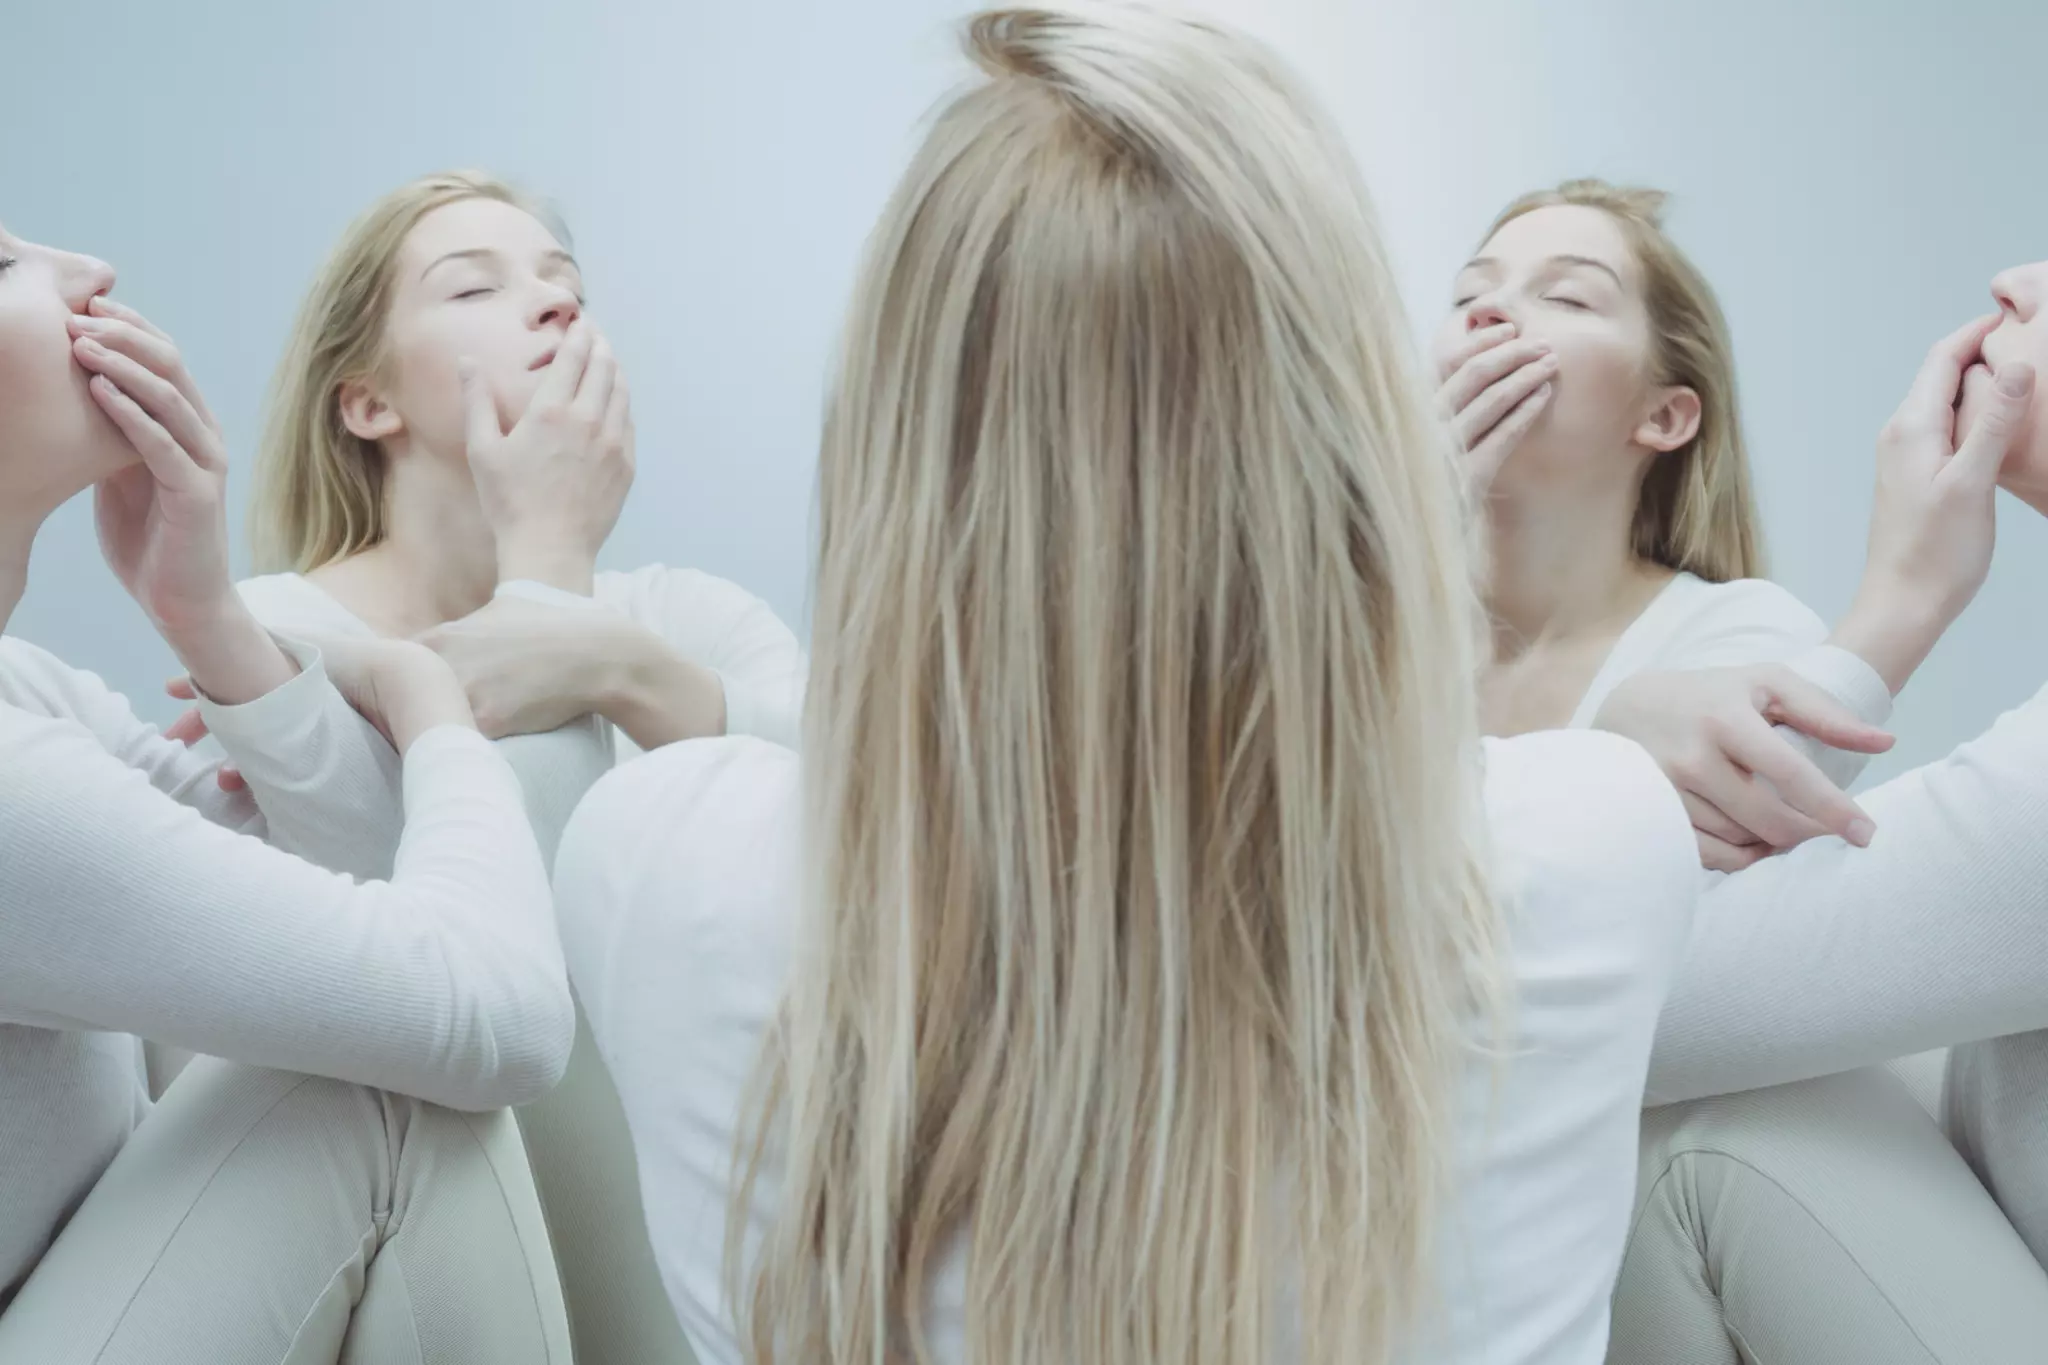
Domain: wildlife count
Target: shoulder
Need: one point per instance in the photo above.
(37, 682)
(1746, 620)
(662, 581)
(674, 849)
(1590, 839)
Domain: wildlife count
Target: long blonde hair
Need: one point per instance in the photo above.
(1697, 511)
(319, 488)
(1147, 925)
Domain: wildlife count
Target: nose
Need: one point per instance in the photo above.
(1483, 313)
(557, 307)
(2013, 294)
(83, 279)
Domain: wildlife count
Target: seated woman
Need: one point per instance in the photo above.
(258, 1213)
(449, 444)
(1144, 961)
(1590, 377)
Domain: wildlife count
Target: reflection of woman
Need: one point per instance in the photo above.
(409, 500)
(1109, 964)
(1623, 534)
(254, 1215)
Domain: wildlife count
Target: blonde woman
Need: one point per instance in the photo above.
(449, 444)
(1137, 965)
(1828, 1220)
(259, 1212)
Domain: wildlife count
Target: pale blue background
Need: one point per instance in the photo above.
(1849, 174)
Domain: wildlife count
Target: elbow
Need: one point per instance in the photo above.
(531, 1052)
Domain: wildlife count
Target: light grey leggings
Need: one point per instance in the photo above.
(1833, 1221)
(262, 1218)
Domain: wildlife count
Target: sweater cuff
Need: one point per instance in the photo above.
(1848, 679)
(268, 735)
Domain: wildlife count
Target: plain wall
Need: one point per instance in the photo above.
(1848, 174)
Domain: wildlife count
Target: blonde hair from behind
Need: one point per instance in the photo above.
(1148, 929)
(1697, 512)
(319, 488)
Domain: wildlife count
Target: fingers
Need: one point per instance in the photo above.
(230, 778)
(1801, 802)
(1478, 374)
(1934, 388)
(181, 687)
(168, 461)
(1471, 344)
(1717, 855)
(148, 347)
(1501, 398)
(1989, 440)
(187, 729)
(565, 376)
(600, 377)
(157, 396)
(1709, 818)
(104, 307)
(1812, 710)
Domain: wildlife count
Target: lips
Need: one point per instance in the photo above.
(547, 358)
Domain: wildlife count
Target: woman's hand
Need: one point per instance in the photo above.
(1750, 792)
(402, 688)
(552, 487)
(163, 522)
(1493, 388)
(529, 667)
(1934, 517)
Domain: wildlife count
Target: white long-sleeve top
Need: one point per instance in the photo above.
(137, 899)
(1829, 958)
(676, 887)
(707, 620)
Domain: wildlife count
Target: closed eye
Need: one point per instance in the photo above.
(476, 293)
(7, 263)
(1569, 303)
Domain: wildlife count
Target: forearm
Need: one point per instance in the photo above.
(1893, 627)
(657, 696)
(230, 657)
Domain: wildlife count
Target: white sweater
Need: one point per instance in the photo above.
(676, 888)
(706, 620)
(134, 901)
(1828, 958)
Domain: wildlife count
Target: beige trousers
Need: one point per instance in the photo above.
(1833, 1221)
(262, 1218)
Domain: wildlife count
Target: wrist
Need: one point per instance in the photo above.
(568, 567)
(230, 658)
(418, 697)
(658, 697)
(1893, 626)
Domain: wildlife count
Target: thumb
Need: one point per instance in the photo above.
(481, 427)
(1813, 712)
(1986, 444)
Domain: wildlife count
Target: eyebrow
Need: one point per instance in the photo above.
(1488, 262)
(554, 257)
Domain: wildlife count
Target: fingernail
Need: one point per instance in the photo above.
(1860, 831)
(2015, 379)
(97, 303)
(91, 347)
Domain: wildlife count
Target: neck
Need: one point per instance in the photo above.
(1561, 563)
(438, 561)
(19, 524)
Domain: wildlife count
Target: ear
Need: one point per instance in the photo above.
(365, 413)
(1674, 421)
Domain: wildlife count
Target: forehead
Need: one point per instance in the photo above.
(473, 225)
(1563, 230)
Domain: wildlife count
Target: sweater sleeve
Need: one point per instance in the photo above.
(126, 910)
(728, 630)
(322, 782)
(1828, 958)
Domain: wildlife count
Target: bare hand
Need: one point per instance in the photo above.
(1749, 791)
(529, 667)
(552, 487)
(1493, 388)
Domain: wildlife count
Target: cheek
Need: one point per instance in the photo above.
(47, 412)
(1597, 383)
